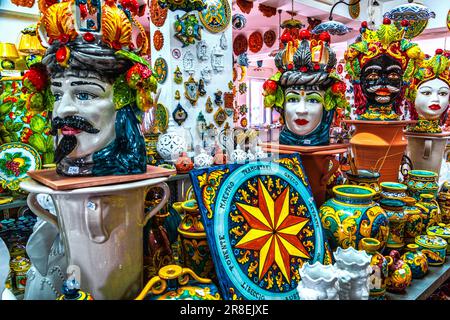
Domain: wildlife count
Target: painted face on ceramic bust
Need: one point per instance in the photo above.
(83, 109)
(303, 110)
(432, 99)
(381, 80)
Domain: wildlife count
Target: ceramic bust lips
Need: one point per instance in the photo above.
(380, 64)
(99, 89)
(305, 90)
(429, 93)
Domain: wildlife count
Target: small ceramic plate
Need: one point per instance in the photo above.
(160, 70)
(161, 117)
(216, 16)
(16, 159)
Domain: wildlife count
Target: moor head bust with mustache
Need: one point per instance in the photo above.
(100, 88)
(380, 65)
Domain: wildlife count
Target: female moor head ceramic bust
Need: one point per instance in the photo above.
(380, 65)
(98, 87)
(429, 93)
(305, 90)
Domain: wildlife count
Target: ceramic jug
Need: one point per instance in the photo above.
(318, 282)
(414, 224)
(420, 182)
(400, 275)
(416, 260)
(393, 190)
(426, 151)
(102, 232)
(430, 209)
(365, 178)
(396, 216)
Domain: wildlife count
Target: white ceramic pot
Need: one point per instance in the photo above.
(102, 231)
(259, 153)
(203, 159)
(318, 282)
(171, 144)
(238, 155)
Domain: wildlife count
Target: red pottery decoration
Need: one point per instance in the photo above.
(158, 15)
(240, 44)
(269, 38)
(184, 164)
(255, 42)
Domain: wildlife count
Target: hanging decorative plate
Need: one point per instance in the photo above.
(161, 117)
(269, 38)
(340, 68)
(185, 5)
(158, 40)
(220, 116)
(216, 16)
(414, 29)
(354, 8)
(261, 224)
(160, 70)
(188, 29)
(191, 90)
(238, 21)
(158, 15)
(179, 114)
(208, 106)
(245, 6)
(176, 53)
(255, 42)
(448, 20)
(240, 44)
(244, 122)
(332, 27)
(16, 159)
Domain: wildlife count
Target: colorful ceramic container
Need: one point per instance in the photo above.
(397, 219)
(352, 215)
(393, 190)
(400, 275)
(71, 291)
(444, 202)
(415, 219)
(20, 266)
(422, 181)
(365, 178)
(434, 248)
(380, 268)
(441, 230)
(416, 260)
(430, 209)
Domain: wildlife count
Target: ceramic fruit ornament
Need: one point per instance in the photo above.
(109, 85)
(305, 90)
(429, 93)
(379, 66)
(184, 164)
(400, 275)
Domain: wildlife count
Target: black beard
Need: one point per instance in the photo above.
(65, 147)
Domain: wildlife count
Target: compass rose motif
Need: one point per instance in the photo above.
(273, 231)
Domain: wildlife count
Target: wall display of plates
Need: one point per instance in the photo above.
(158, 15)
(240, 44)
(158, 40)
(179, 114)
(15, 160)
(161, 117)
(176, 53)
(216, 16)
(255, 42)
(354, 8)
(269, 38)
(160, 68)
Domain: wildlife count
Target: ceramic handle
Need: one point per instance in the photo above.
(34, 205)
(427, 148)
(161, 204)
(330, 172)
(94, 220)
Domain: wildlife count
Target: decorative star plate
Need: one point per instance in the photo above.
(16, 159)
(216, 16)
(261, 224)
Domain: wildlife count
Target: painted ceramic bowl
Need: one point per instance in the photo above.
(417, 261)
(441, 230)
(434, 248)
(393, 190)
(422, 181)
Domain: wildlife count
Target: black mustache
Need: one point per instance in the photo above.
(75, 122)
(65, 147)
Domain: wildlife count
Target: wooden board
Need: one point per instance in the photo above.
(302, 149)
(51, 179)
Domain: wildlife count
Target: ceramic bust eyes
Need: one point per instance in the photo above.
(432, 99)
(303, 110)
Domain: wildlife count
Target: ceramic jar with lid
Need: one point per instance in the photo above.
(397, 219)
(434, 248)
(441, 230)
(416, 260)
(71, 291)
(414, 225)
(422, 181)
(171, 144)
(400, 275)
(430, 209)
(365, 178)
(352, 215)
(393, 190)
(184, 164)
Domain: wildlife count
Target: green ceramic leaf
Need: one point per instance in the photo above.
(48, 157)
(279, 97)
(37, 124)
(37, 141)
(49, 144)
(276, 76)
(17, 126)
(133, 57)
(49, 99)
(269, 101)
(5, 107)
(9, 126)
(123, 94)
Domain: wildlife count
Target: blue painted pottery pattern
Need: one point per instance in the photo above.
(422, 181)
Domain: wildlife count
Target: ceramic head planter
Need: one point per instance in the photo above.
(99, 89)
(380, 66)
(305, 90)
(429, 93)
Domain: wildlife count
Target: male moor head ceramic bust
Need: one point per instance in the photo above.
(380, 65)
(429, 93)
(305, 89)
(98, 87)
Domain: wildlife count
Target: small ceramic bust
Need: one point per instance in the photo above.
(99, 89)
(380, 63)
(305, 90)
(429, 93)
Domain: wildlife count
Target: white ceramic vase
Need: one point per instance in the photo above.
(318, 282)
(203, 159)
(171, 144)
(238, 155)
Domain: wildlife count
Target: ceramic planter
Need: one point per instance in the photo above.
(318, 282)
(415, 220)
(397, 219)
(422, 181)
(352, 215)
(365, 178)
(416, 260)
(430, 210)
(434, 248)
(393, 190)
(441, 230)
(400, 275)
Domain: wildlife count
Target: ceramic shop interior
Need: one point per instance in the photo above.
(224, 150)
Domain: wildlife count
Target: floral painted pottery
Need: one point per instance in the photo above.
(434, 248)
(353, 270)
(365, 178)
(380, 268)
(400, 275)
(203, 159)
(430, 209)
(422, 181)
(194, 246)
(318, 282)
(415, 220)
(397, 219)
(441, 230)
(173, 283)
(416, 260)
(184, 164)
(71, 291)
(352, 215)
(20, 266)
(393, 190)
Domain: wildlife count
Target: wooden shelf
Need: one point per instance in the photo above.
(421, 289)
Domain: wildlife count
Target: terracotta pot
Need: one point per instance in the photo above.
(379, 146)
